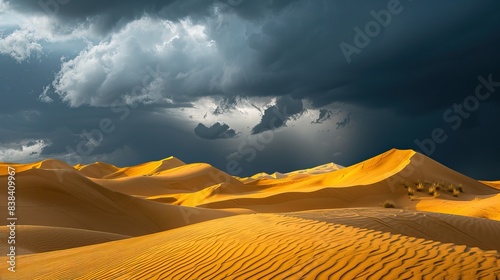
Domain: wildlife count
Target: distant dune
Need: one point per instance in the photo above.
(171, 220)
(493, 184)
(65, 198)
(102, 170)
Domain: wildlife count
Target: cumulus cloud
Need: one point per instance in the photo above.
(276, 116)
(20, 45)
(257, 48)
(25, 151)
(176, 53)
(216, 131)
(149, 61)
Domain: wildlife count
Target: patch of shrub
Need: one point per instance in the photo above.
(389, 204)
(411, 191)
(432, 190)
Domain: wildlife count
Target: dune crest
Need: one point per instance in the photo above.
(101, 170)
(48, 164)
(171, 220)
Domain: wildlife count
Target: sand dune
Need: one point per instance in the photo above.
(61, 198)
(366, 184)
(325, 168)
(444, 228)
(39, 239)
(50, 164)
(266, 246)
(493, 184)
(170, 220)
(107, 171)
(186, 178)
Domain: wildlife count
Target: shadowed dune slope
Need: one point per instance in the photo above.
(39, 239)
(267, 246)
(62, 198)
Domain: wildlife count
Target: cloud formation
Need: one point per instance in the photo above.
(166, 65)
(20, 45)
(324, 115)
(216, 131)
(24, 151)
(345, 122)
(276, 116)
(149, 61)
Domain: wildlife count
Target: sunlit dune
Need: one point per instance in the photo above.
(325, 168)
(274, 246)
(398, 215)
(62, 198)
(102, 170)
(50, 164)
(493, 184)
(182, 179)
(366, 184)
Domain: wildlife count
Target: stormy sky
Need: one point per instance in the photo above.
(250, 86)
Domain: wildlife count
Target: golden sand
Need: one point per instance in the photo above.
(171, 220)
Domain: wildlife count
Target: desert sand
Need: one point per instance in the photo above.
(398, 215)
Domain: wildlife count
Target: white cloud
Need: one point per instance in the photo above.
(3, 6)
(20, 45)
(32, 32)
(26, 151)
(149, 60)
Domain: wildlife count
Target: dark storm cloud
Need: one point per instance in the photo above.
(216, 131)
(324, 115)
(425, 55)
(412, 66)
(345, 122)
(108, 14)
(401, 81)
(277, 115)
(112, 14)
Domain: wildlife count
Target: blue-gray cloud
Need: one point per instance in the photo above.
(277, 115)
(216, 131)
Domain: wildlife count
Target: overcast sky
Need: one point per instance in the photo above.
(250, 86)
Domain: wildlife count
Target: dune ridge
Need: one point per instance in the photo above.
(100, 170)
(493, 184)
(73, 201)
(171, 220)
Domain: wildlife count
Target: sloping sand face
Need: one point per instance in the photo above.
(493, 184)
(40, 239)
(266, 246)
(100, 170)
(66, 198)
(171, 220)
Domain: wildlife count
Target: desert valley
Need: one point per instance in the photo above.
(399, 215)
